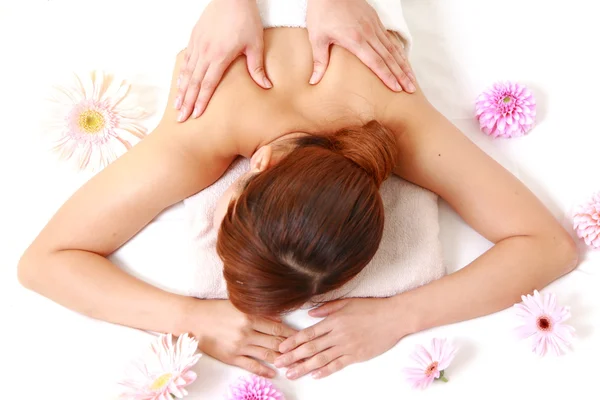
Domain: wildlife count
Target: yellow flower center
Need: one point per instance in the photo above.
(91, 121)
(507, 99)
(161, 381)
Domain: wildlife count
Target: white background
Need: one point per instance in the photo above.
(461, 46)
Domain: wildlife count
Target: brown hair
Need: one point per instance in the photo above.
(308, 224)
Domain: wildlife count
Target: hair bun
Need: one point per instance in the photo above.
(372, 147)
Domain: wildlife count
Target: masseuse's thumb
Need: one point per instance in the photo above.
(320, 47)
(256, 66)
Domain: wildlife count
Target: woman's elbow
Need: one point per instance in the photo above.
(563, 250)
(28, 269)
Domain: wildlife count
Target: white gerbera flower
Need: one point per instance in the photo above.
(91, 124)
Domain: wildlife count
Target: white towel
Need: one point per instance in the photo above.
(409, 255)
(292, 13)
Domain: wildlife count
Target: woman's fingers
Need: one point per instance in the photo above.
(319, 360)
(334, 366)
(306, 350)
(272, 328)
(261, 353)
(267, 341)
(328, 308)
(304, 336)
(253, 366)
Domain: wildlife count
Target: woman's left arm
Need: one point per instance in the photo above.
(531, 250)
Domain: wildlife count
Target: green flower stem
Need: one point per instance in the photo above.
(442, 377)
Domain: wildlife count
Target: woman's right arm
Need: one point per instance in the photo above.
(67, 261)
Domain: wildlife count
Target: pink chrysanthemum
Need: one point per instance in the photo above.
(165, 371)
(92, 123)
(506, 110)
(430, 363)
(544, 320)
(253, 388)
(586, 221)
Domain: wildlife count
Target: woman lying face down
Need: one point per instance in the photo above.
(306, 219)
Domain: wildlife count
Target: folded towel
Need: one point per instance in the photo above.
(292, 13)
(409, 255)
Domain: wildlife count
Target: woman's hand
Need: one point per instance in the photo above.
(235, 338)
(354, 330)
(226, 29)
(355, 26)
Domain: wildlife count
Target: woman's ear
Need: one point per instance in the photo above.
(261, 159)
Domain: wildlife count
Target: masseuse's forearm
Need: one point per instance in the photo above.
(494, 281)
(91, 285)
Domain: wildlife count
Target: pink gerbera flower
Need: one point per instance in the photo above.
(430, 363)
(91, 122)
(253, 388)
(544, 320)
(165, 371)
(586, 221)
(506, 110)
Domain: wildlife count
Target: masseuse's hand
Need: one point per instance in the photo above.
(226, 29)
(236, 338)
(354, 330)
(355, 26)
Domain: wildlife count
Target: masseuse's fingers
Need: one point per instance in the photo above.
(383, 51)
(253, 366)
(272, 328)
(305, 335)
(398, 52)
(401, 69)
(185, 74)
(307, 350)
(314, 363)
(370, 57)
(209, 84)
(256, 66)
(320, 48)
(192, 91)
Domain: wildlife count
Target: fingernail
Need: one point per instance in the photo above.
(313, 78)
(278, 363)
(411, 87)
(178, 103)
(196, 112)
(291, 374)
(316, 374)
(397, 86)
(267, 83)
(181, 115)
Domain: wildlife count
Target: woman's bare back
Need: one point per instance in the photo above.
(349, 94)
